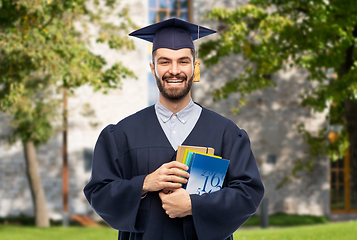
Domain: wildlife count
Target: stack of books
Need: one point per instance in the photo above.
(207, 171)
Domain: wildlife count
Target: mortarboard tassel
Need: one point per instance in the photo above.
(197, 71)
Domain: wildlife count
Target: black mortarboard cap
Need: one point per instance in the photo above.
(173, 33)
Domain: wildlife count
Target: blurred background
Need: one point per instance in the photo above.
(285, 71)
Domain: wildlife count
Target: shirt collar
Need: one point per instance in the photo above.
(165, 115)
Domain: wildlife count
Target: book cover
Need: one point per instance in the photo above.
(187, 157)
(181, 151)
(207, 174)
(189, 153)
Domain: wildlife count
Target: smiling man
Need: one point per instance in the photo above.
(136, 184)
(173, 70)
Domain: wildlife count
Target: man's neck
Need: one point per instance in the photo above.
(175, 106)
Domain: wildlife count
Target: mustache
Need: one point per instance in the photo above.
(177, 76)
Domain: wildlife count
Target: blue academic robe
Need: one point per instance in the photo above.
(126, 152)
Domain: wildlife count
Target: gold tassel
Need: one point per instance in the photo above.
(197, 71)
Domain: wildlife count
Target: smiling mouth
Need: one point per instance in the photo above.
(174, 80)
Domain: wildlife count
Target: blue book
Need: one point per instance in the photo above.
(207, 174)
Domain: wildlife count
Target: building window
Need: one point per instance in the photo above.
(160, 10)
(343, 194)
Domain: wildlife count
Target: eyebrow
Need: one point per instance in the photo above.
(163, 58)
(182, 58)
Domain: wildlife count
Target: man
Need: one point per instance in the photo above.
(136, 183)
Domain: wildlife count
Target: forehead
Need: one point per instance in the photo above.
(172, 54)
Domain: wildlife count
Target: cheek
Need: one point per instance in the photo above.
(159, 72)
(189, 71)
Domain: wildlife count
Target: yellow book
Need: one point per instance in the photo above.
(181, 151)
(188, 156)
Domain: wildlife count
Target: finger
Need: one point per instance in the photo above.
(172, 185)
(161, 194)
(178, 172)
(176, 164)
(168, 190)
(175, 179)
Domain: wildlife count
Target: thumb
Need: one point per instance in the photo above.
(161, 194)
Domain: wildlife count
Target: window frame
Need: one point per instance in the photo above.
(346, 184)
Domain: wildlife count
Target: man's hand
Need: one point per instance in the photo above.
(167, 177)
(177, 203)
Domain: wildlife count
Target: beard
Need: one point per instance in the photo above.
(174, 94)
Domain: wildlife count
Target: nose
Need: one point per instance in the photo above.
(175, 69)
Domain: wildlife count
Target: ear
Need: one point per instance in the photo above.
(152, 67)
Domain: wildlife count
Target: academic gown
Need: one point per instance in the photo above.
(126, 152)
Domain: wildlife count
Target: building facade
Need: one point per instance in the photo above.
(271, 118)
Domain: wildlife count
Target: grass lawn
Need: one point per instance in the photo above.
(57, 233)
(329, 231)
(285, 220)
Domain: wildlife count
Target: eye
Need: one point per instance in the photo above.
(163, 62)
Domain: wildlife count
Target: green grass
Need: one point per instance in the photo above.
(281, 219)
(57, 233)
(329, 231)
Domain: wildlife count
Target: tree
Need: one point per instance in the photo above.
(44, 48)
(316, 35)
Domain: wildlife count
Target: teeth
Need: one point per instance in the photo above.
(174, 81)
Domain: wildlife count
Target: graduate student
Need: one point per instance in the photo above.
(136, 184)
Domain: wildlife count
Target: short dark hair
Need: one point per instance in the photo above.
(192, 52)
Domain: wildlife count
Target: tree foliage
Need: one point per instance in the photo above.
(45, 46)
(316, 35)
